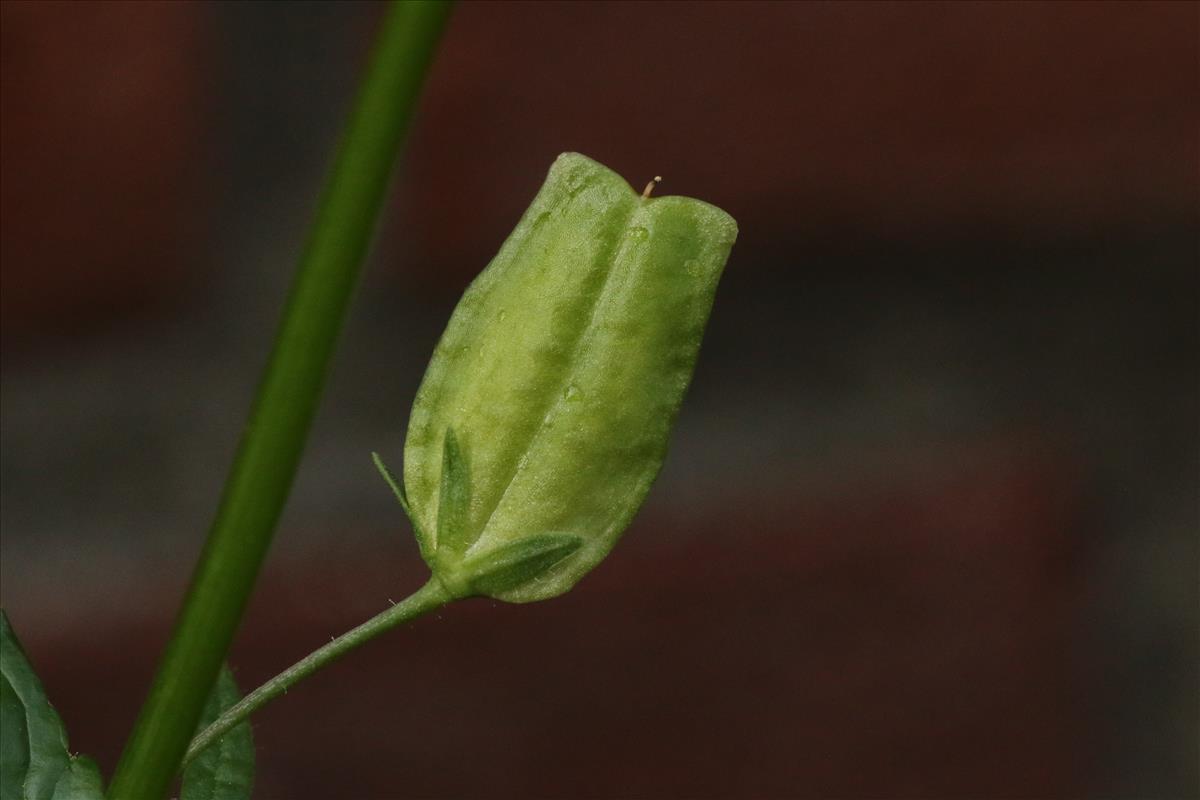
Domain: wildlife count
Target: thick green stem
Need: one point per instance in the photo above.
(429, 597)
(287, 397)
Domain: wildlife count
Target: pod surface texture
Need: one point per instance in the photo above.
(562, 369)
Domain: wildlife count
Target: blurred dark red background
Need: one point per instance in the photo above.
(929, 525)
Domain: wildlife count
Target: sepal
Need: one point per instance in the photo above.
(513, 566)
(423, 543)
(454, 497)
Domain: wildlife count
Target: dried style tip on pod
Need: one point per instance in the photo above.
(545, 412)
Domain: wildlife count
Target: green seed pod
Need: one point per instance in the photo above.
(545, 412)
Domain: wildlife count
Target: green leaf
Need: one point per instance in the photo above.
(224, 771)
(398, 490)
(453, 499)
(34, 751)
(522, 562)
(80, 781)
(14, 742)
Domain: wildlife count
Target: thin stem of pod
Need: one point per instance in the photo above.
(650, 187)
(431, 596)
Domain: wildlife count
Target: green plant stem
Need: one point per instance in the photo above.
(273, 440)
(431, 596)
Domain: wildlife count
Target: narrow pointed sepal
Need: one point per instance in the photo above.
(398, 489)
(519, 564)
(454, 497)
